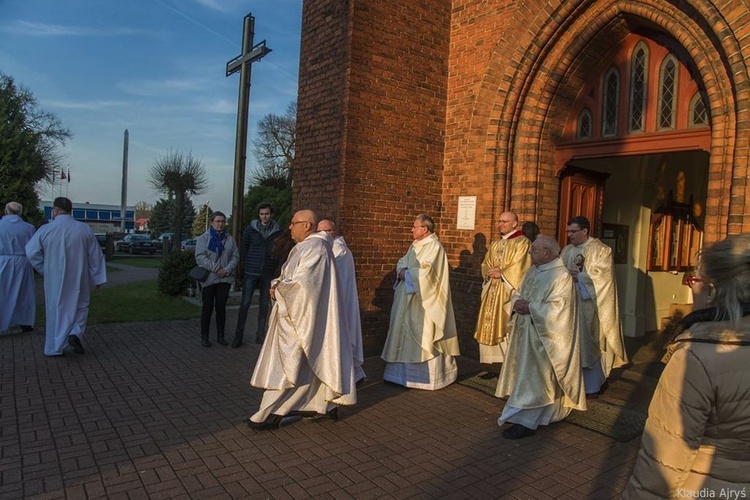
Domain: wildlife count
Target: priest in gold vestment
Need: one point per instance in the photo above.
(502, 269)
(422, 340)
(542, 372)
(592, 267)
(305, 364)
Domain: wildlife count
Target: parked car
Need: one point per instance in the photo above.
(189, 245)
(159, 242)
(101, 238)
(136, 243)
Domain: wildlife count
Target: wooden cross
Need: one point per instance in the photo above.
(250, 54)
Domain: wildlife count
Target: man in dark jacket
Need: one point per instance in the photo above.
(259, 268)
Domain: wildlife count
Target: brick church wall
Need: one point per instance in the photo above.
(406, 105)
(373, 84)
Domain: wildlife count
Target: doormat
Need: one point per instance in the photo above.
(619, 423)
(482, 382)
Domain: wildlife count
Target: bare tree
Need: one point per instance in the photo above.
(178, 175)
(274, 148)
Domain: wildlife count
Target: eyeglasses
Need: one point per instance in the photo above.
(505, 221)
(299, 222)
(692, 280)
(573, 231)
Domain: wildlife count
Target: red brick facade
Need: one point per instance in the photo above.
(405, 105)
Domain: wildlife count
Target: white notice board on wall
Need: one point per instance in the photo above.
(467, 212)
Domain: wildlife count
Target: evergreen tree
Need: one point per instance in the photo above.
(162, 217)
(29, 142)
(201, 223)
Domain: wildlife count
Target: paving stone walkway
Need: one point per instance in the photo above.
(148, 413)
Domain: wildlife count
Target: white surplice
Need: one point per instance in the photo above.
(347, 285)
(422, 340)
(17, 289)
(66, 253)
(306, 362)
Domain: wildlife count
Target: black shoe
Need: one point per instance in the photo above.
(27, 328)
(259, 340)
(237, 341)
(333, 414)
(220, 340)
(517, 431)
(205, 343)
(272, 422)
(75, 343)
(489, 376)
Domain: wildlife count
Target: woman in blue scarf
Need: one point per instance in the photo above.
(216, 251)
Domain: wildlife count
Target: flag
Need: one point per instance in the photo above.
(62, 175)
(68, 175)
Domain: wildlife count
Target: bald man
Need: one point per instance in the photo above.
(347, 283)
(305, 364)
(503, 268)
(17, 288)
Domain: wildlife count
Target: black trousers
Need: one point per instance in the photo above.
(214, 296)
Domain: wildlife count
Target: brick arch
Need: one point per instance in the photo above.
(523, 94)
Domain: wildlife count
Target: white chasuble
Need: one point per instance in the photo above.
(347, 287)
(423, 326)
(543, 364)
(306, 360)
(598, 316)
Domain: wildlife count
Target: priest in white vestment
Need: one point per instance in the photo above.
(503, 268)
(542, 372)
(592, 267)
(422, 341)
(17, 287)
(305, 364)
(347, 285)
(66, 253)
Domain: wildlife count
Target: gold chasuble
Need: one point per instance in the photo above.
(543, 365)
(598, 312)
(511, 256)
(422, 322)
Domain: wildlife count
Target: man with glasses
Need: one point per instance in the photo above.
(259, 267)
(66, 253)
(347, 284)
(591, 265)
(503, 268)
(305, 365)
(422, 341)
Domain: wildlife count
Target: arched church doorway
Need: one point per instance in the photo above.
(634, 160)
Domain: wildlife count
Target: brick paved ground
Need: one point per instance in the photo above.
(147, 412)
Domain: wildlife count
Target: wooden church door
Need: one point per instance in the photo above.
(581, 193)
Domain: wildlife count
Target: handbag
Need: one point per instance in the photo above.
(199, 273)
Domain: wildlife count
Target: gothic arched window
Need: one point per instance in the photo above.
(610, 101)
(585, 125)
(638, 82)
(667, 93)
(698, 111)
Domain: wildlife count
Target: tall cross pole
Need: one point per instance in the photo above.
(250, 54)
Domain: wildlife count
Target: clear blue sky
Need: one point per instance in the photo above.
(156, 68)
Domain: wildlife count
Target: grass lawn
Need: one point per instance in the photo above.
(149, 262)
(139, 301)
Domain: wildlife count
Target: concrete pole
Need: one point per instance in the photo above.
(124, 197)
